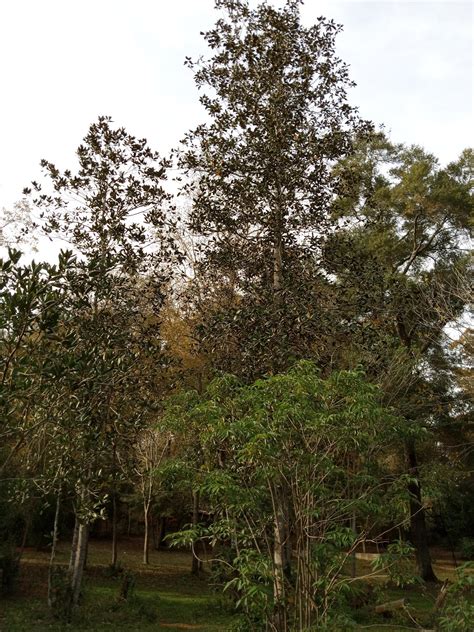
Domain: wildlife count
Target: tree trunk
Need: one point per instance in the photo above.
(79, 562)
(277, 264)
(195, 564)
(279, 618)
(75, 533)
(419, 535)
(114, 530)
(279, 556)
(53, 550)
(146, 539)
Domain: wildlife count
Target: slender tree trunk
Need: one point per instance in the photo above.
(287, 545)
(280, 621)
(279, 536)
(114, 501)
(79, 562)
(418, 529)
(281, 518)
(114, 530)
(75, 533)
(146, 539)
(196, 563)
(53, 550)
(277, 264)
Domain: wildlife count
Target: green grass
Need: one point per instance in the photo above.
(165, 594)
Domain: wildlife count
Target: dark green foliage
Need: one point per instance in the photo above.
(97, 209)
(457, 614)
(262, 181)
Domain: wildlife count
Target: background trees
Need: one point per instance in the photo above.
(402, 273)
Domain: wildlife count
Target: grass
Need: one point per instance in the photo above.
(168, 598)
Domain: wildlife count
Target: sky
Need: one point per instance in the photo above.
(65, 62)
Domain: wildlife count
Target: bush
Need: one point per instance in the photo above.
(458, 617)
(458, 612)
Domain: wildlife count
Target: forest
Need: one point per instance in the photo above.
(241, 397)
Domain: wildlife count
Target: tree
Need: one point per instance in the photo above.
(151, 449)
(16, 226)
(31, 300)
(402, 270)
(262, 179)
(324, 438)
(111, 211)
(261, 183)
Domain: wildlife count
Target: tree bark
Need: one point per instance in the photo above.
(72, 557)
(286, 525)
(279, 556)
(277, 264)
(419, 534)
(53, 550)
(146, 539)
(79, 562)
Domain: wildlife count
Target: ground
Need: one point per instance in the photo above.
(167, 596)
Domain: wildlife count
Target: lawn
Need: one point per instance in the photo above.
(168, 597)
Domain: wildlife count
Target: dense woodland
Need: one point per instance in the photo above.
(257, 348)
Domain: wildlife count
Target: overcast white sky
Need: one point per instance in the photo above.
(64, 62)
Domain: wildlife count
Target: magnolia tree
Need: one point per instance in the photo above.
(259, 173)
(112, 211)
(31, 303)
